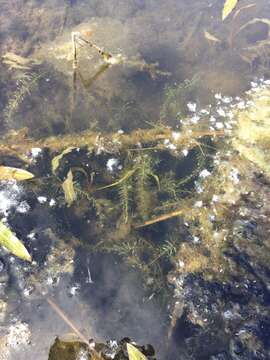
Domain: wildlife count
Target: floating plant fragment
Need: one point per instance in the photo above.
(11, 173)
(56, 160)
(228, 8)
(211, 37)
(68, 187)
(12, 243)
(134, 353)
(15, 61)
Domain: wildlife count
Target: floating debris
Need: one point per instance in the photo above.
(12, 243)
(10, 173)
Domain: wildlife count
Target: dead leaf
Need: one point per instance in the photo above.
(134, 353)
(11, 173)
(68, 187)
(228, 8)
(56, 160)
(211, 37)
(12, 243)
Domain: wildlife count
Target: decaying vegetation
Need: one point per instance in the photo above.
(173, 199)
(142, 179)
(149, 176)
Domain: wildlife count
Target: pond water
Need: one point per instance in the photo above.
(170, 58)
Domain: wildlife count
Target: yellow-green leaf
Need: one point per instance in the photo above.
(11, 173)
(134, 353)
(228, 8)
(12, 243)
(56, 160)
(68, 187)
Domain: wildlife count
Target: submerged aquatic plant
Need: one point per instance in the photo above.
(126, 192)
(252, 136)
(25, 86)
(205, 195)
(143, 177)
(208, 213)
(176, 97)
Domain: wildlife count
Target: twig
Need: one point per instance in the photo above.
(160, 218)
(64, 317)
(105, 54)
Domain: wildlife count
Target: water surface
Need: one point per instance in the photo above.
(189, 41)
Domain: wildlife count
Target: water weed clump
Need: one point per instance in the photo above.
(195, 175)
(223, 192)
(252, 137)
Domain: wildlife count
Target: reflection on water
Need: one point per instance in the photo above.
(41, 90)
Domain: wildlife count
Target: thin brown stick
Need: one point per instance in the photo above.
(64, 317)
(160, 218)
(105, 54)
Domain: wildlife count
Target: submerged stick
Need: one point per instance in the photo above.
(74, 76)
(64, 317)
(117, 59)
(111, 143)
(74, 49)
(105, 54)
(160, 218)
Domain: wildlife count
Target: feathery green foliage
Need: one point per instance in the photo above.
(144, 175)
(176, 97)
(124, 191)
(25, 85)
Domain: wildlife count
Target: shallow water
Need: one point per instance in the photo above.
(48, 99)
(172, 34)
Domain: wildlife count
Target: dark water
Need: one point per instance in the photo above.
(171, 33)
(189, 41)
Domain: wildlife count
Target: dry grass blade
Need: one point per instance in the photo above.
(256, 20)
(120, 181)
(243, 8)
